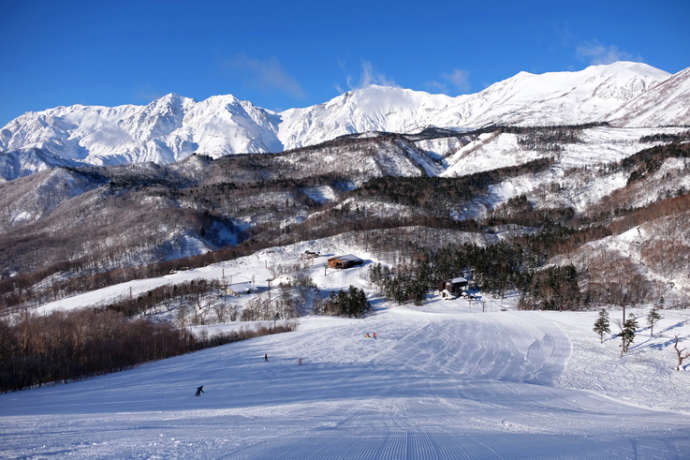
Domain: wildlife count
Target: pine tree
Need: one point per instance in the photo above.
(602, 326)
(628, 333)
(652, 318)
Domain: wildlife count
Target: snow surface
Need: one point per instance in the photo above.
(322, 194)
(598, 145)
(444, 380)
(664, 104)
(432, 385)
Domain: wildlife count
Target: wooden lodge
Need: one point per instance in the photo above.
(345, 261)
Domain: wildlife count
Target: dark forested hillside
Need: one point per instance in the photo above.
(75, 228)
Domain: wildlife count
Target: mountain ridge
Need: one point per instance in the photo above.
(173, 127)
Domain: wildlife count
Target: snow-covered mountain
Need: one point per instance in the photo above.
(666, 104)
(19, 163)
(525, 99)
(562, 97)
(166, 130)
(173, 127)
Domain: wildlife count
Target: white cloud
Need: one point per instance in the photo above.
(456, 81)
(267, 74)
(371, 77)
(460, 79)
(368, 76)
(595, 52)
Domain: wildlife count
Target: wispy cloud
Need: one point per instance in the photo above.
(367, 77)
(372, 77)
(460, 79)
(456, 81)
(267, 74)
(596, 52)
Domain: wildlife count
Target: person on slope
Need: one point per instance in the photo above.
(265, 356)
(199, 390)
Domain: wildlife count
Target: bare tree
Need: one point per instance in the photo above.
(182, 312)
(681, 356)
(221, 310)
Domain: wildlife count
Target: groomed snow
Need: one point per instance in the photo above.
(434, 384)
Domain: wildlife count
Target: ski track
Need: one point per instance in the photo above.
(431, 386)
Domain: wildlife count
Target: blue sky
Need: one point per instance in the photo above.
(290, 54)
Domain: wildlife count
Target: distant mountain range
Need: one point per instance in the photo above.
(171, 128)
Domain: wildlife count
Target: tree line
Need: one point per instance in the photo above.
(496, 268)
(144, 302)
(71, 345)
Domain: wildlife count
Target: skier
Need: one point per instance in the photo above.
(374, 335)
(265, 356)
(199, 390)
(367, 336)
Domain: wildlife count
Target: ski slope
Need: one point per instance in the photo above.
(438, 382)
(443, 380)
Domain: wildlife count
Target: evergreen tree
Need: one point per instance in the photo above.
(352, 303)
(628, 333)
(602, 326)
(652, 318)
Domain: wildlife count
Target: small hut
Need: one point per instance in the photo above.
(345, 261)
(454, 288)
(238, 289)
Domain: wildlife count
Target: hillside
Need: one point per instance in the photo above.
(664, 104)
(74, 228)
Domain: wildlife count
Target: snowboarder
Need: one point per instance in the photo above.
(265, 356)
(367, 335)
(199, 390)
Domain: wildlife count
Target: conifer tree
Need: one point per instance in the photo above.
(652, 318)
(628, 333)
(602, 326)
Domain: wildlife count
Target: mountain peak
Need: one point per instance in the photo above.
(169, 100)
(631, 69)
(169, 97)
(665, 104)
